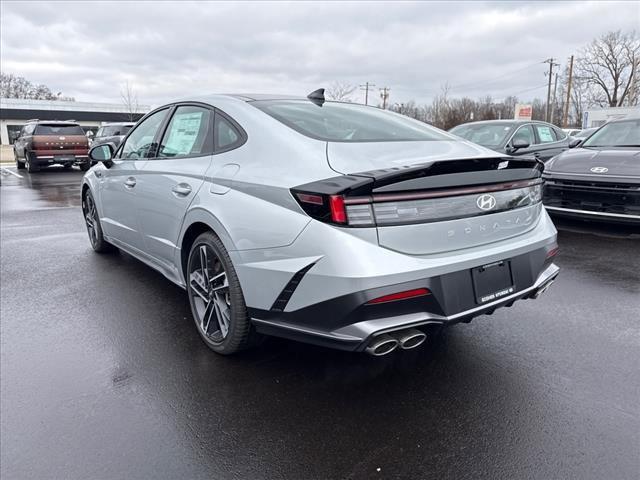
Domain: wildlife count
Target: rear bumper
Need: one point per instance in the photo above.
(352, 324)
(41, 159)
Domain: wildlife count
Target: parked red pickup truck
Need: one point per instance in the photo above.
(43, 143)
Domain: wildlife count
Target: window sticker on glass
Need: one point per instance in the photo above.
(545, 134)
(182, 133)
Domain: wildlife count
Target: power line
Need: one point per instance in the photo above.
(495, 79)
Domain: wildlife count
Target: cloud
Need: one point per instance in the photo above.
(169, 50)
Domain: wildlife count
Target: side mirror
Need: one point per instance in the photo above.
(89, 134)
(575, 142)
(101, 153)
(517, 144)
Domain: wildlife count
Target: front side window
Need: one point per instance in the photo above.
(545, 133)
(189, 133)
(490, 135)
(344, 122)
(57, 129)
(524, 133)
(618, 134)
(140, 143)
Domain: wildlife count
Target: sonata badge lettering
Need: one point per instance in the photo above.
(524, 219)
(486, 202)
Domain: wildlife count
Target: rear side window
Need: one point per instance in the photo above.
(44, 129)
(346, 122)
(545, 133)
(561, 135)
(227, 135)
(189, 133)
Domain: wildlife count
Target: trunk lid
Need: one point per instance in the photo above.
(431, 197)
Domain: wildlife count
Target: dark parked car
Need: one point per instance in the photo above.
(516, 137)
(44, 143)
(600, 179)
(112, 133)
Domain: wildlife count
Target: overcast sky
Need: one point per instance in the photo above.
(168, 50)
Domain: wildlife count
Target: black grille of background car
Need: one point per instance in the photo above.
(593, 196)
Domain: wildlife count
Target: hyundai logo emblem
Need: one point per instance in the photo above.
(599, 169)
(486, 202)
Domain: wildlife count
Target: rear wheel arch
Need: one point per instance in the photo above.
(195, 224)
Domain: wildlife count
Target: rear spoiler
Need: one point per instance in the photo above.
(428, 176)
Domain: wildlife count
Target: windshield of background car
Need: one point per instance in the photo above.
(489, 135)
(44, 129)
(344, 122)
(618, 134)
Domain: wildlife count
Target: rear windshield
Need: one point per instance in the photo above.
(345, 122)
(489, 135)
(618, 134)
(53, 129)
(114, 130)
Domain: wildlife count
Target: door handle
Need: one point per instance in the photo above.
(130, 182)
(182, 189)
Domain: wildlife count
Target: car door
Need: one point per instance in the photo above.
(170, 181)
(21, 141)
(548, 143)
(17, 143)
(119, 183)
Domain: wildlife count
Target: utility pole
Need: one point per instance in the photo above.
(565, 116)
(384, 94)
(366, 88)
(553, 102)
(552, 64)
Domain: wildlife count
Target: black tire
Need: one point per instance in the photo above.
(240, 333)
(92, 222)
(31, 168)
(19, 164)
(85, 166)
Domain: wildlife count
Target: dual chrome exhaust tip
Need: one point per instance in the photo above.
(388, 342)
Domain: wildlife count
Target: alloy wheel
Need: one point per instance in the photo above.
(209, 285)
(90, 218)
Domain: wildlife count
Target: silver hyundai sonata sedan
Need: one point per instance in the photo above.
(331, 223)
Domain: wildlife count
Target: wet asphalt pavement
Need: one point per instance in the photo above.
(104, 376)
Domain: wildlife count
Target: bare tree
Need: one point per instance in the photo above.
(12, 86)
(129, 100)
(340, 91)
(608, 65)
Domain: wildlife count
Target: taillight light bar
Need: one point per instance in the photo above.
(416, 207)
(393, 297)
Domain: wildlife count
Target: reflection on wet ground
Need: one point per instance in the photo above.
(104, 376)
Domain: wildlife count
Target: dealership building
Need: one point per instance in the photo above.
(14, 113)
(600, 116)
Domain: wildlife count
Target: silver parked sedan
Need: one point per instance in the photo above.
(331, 223)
